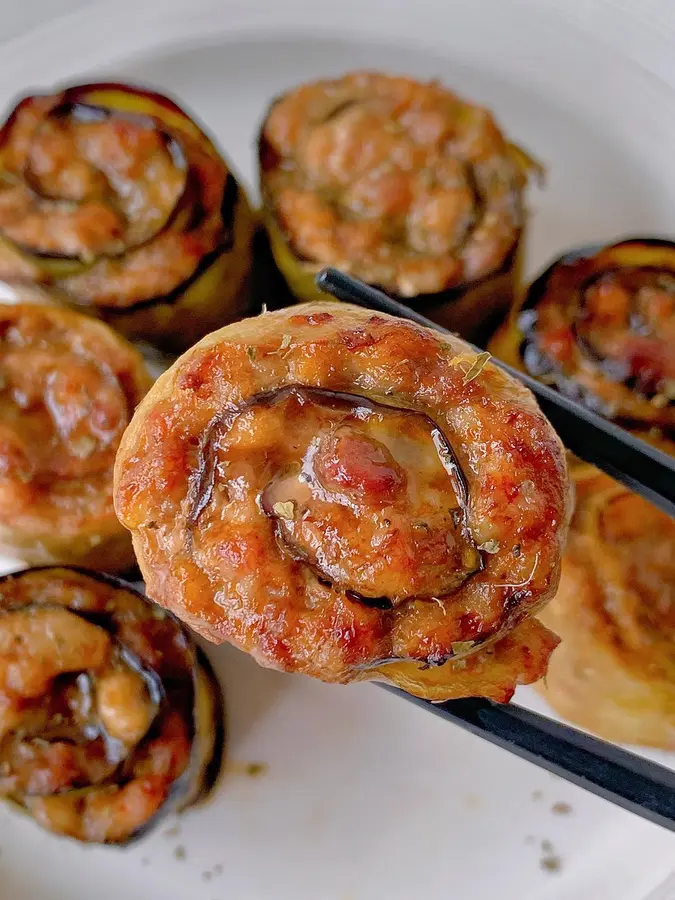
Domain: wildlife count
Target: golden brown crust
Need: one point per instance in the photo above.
(115, 196)
(615, 613)
(330, 490)
(400, 183)
(69, 386)
(100, 731)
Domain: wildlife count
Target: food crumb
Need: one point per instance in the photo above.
(179, 853)
(256, 769)
(551, 863)
(173, 831)
(561, 809)
(537, 795)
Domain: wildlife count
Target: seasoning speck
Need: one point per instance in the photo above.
(476, 367)
(256, 769)
(516, 550)
(206, 876)
(461, 647)
(172, 831)
(284, 509)
(551, 863)
(218, 869)
(251, 353)
(561, 809)
(179, 853)
(489, 546)
(537, 795)
(83, 447)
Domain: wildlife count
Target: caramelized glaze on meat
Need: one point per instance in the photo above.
(68, 388)
(400, 182)
(334, 491)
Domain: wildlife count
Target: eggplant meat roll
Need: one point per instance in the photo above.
(599, 324)
(68, 388)
(400, 183)
(350, 496)
(613, 672)
(109, 715)
(115, 197)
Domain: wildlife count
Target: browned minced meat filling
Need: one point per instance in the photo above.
(399, 182)
(135, 204)
(68, 388)
(368, 495)
(96, 698)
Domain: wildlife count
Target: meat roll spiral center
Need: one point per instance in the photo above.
(367, 495)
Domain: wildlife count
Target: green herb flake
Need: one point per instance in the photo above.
(251, 353)
(516, 550)
(476, 368)
(256, 769)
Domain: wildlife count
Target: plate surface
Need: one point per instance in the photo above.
(350, 793)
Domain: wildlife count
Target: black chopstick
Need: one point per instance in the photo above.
(630, 781)
(626, 779)
(633, 462)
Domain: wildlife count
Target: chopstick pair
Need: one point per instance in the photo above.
(626, 779)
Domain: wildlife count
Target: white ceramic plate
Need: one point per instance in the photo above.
(362, 796)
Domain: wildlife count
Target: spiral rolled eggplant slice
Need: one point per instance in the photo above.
(350, 496)
(115, 197)
(400, 183)
(599, 325)
(68, 388)
(110, 717)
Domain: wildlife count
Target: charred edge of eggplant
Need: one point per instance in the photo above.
(200, 777)
(212, 771)
(537, 288)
